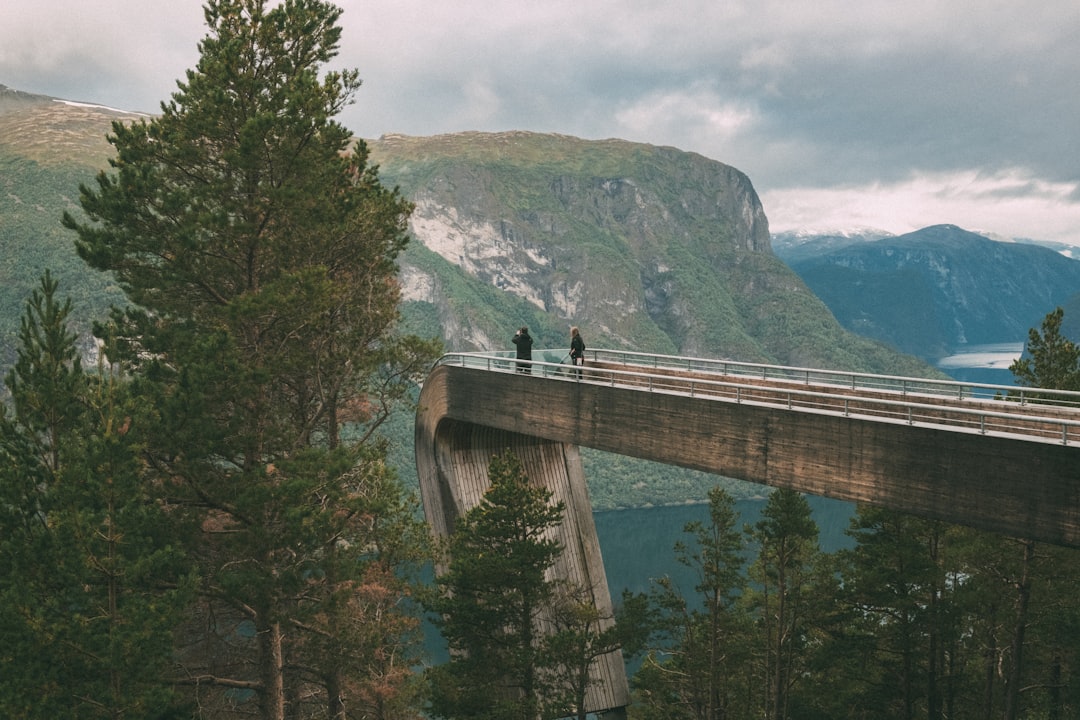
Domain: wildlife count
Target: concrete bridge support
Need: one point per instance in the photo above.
(454, 470)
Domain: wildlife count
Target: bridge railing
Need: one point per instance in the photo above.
(1035, 414)
(852, 380)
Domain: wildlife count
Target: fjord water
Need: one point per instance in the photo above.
(638, 545)
(983, 363)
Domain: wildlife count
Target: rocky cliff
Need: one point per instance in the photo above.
(643, 247)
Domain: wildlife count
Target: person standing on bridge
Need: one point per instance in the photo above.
(577, 350)
(524, 344)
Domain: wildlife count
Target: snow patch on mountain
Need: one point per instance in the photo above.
(95, 106)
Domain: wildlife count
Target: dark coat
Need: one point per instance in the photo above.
(577, 347)
(524, 344)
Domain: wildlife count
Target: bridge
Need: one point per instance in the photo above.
(951, 451)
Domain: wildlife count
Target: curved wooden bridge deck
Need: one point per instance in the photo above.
(950, 451)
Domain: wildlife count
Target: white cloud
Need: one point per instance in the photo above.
(697, 111)
(482, 102)
(115, 52)
(844, 103)
(1012, 203)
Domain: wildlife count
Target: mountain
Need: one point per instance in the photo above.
(940, 288)
(47, 148)
(794, 246)
(643, 247)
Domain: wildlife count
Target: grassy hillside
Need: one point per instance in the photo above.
(47, 149)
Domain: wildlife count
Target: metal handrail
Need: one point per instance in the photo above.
(853, 380)
(898, 399)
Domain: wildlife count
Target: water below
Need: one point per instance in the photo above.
(983, 363)
(638, 545)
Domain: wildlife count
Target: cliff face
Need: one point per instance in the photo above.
(643, 247)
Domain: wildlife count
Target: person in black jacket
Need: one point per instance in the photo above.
(577, 349)
(524, 344)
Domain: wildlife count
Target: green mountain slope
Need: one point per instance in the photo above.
(47, 148)
(643, 247)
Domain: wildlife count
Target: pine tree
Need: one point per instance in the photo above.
(90, 586)
(1052, 360)
(579, 634)
(894, 583)
(258, 249)
(492, 597)
(787, 542)
(704, 637)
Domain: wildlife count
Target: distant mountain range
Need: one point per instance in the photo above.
(792, 246)
(935, 290)
(644, 247)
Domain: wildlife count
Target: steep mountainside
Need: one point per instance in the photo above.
(47, 148)
(934, 290)
(643, 247)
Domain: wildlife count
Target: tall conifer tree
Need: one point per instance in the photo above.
(492, 598)
(893, 587)
(258, 249)
(1051, 359)
(700, 667)
(787, 540)
(91, 586)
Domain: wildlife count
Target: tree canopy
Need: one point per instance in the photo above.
(91, 583)
(1051, 360)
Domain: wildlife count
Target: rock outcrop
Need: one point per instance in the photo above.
(644, 247)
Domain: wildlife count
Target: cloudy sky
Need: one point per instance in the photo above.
(844, 113)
